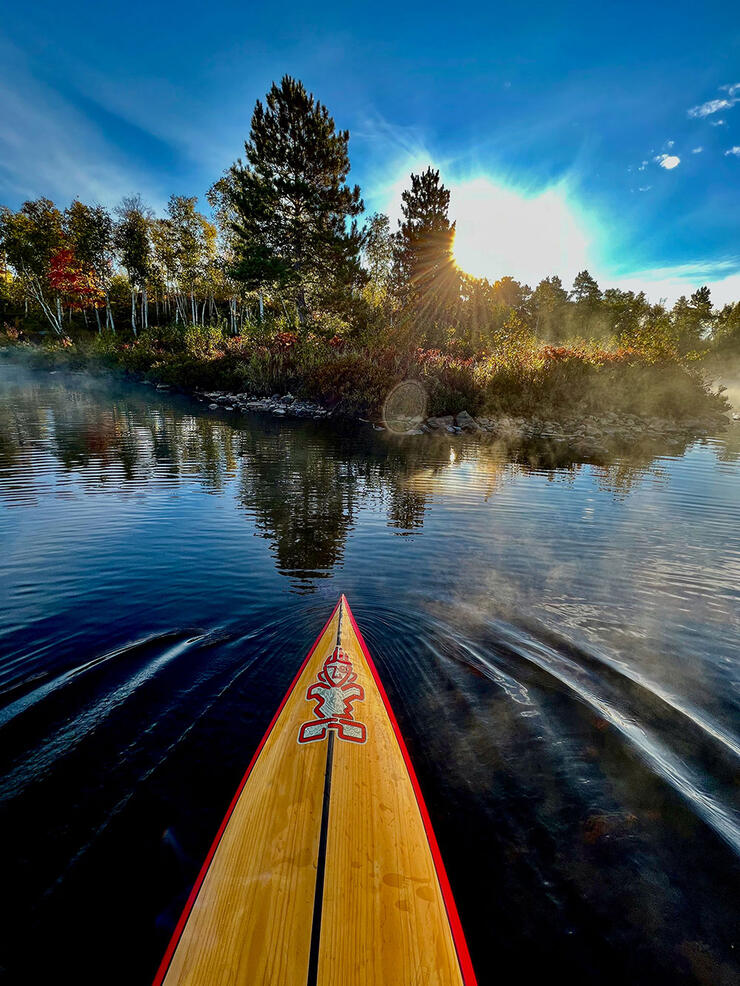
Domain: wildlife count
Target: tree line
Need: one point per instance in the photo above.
(283, 241)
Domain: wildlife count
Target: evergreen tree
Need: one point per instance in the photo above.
(587, 297)
(291, 202)
(692, 319)
(550, 303)
(426, 277)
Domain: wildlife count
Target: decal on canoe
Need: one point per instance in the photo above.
(334, 693)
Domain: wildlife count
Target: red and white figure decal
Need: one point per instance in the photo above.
(334, 693)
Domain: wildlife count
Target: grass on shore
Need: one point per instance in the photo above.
(521, 379)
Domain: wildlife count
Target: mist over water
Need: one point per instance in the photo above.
(560, 641)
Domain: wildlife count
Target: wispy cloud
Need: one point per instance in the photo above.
(713, 106)
(667, 161)
(723, 278)
(717, 123)
(710, 107)
(735, 151)
(48, 147)
(697, 150)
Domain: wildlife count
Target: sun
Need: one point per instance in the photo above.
(501, 231)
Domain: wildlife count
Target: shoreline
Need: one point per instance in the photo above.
(588, 435)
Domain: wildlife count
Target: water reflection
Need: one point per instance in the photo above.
(559, 639)
(302, 483)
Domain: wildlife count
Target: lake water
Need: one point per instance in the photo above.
(560, 642)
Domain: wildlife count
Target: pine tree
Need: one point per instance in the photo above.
(426, 277)
(586, 294)
(291, 201)
(550, 300)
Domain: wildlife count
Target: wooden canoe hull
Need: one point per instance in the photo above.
(325, 870)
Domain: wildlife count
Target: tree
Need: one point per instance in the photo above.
(134, 251)
(291, 202)
(377, 252)
(692, 319)
(726, 334)
(427, 280)
(89, 230)
(186, 242)
(550, 304)
(220, 197)
(30, 238)
(587, 297)
(72, 281)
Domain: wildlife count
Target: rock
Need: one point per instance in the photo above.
(213, 407)
(163, 386)
(279, 411)
(465, 422)
(736, 417)
(229, 408)
(440, 423)
(275, 397)
(378, 428)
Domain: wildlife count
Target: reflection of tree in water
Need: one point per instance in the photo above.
(406, 509)
(303, 499)
(730, 448)
(303, 483)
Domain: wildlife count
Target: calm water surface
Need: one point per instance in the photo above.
(560, 642)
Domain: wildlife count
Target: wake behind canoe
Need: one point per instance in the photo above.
(325, 869)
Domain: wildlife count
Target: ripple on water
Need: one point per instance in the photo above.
(559, 640)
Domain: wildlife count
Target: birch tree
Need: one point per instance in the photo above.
(30, 238)
(89, 229)
(133, 247)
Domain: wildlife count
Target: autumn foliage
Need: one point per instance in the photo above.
(75, 285)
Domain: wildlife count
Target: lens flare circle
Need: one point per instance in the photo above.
(405, 407)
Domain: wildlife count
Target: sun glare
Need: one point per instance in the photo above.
(502, 231)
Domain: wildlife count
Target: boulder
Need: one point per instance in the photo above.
(467, 423)
(440, 423)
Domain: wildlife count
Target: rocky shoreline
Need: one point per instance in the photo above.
(589, 435)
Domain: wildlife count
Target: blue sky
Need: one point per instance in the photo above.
(553, 124)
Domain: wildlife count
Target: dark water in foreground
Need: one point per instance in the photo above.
(560, 642)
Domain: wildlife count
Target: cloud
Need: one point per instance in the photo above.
(697, 150)
(722, 277)
(735, 151)
(717, 123)
(713, 106)
(644, 188)
(48, 147)
(667, 161)
(643, 166)
(669, 144)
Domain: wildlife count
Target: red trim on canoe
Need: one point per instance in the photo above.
(177, 934)
(463, 956)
